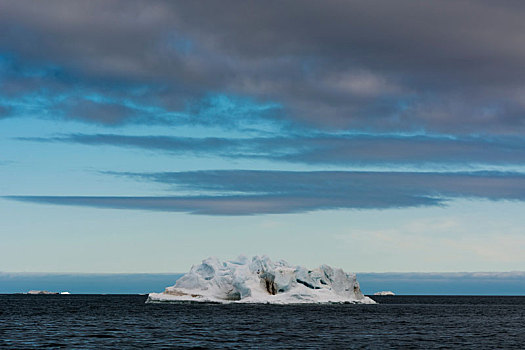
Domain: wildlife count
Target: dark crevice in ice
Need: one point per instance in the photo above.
(307, 284)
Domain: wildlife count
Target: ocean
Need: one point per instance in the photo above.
(126, 321)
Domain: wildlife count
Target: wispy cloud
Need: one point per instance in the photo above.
(242, 192)
(325, 148)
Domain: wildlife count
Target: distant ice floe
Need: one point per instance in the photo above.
(259, 280)
(35, 292)
(384, 293)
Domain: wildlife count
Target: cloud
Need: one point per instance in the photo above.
(5, 111)
(249, 192)
(106, 113)
(50, 91)
(47, 90)
(322, 149)
(449, 66)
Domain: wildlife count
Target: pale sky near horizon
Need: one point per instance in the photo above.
(144, 136)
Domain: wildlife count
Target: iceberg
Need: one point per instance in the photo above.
(260, 280)
(385, 293)
(38, 292)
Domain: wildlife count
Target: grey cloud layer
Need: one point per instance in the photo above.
(451, 67)
(326, 148)
(448, 66)
(238, 192)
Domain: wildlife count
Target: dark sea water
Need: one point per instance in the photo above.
(125, 321)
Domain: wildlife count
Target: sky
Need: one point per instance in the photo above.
(376, 136)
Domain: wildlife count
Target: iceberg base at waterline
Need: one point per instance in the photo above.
(260, 280)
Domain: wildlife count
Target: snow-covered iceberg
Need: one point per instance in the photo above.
(259, 280)
(385, 293)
